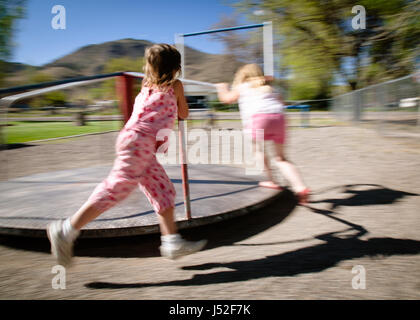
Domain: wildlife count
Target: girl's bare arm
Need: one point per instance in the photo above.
(181, 101)
(225, 95)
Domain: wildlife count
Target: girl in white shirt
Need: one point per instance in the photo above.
(261, 108)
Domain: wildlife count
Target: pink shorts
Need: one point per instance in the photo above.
(273, 124)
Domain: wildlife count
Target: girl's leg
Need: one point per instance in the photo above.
(268, 169)
(167, 222)
(84, 215)
(122, 180)
(288, 169)
(160, 191)
(267, 166)
(116, 187)
(62, 234)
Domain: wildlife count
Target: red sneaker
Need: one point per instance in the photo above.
(303, 196)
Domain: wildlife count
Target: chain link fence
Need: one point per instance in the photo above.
(393, 107)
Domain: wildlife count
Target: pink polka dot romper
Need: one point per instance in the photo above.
(136, 163)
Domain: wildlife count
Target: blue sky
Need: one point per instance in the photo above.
(97, 21)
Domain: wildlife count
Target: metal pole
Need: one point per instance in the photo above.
(268, 49)
(250, 26)
(3, 141)
(125, 92)
(184, 168)
(416, 78)
(179, 43)
(59, 82)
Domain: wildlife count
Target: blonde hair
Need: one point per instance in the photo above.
(252, 74)
(163, 65)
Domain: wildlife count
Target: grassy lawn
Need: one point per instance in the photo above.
(24, 131)
(38, 113)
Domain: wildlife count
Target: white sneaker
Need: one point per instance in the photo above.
(181, 248)
(61, 248)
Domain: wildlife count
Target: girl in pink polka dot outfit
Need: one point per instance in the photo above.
(160, 101)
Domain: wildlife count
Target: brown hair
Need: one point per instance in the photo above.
(252, 74)
(163, 64)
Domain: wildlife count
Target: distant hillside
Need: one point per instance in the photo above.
(210, 67)
(91, 59)
(12, 67)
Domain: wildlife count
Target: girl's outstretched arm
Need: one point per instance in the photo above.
(225, 95)
(181, 101)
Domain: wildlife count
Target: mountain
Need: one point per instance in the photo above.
(210, 67)
(12, 67)
(91, 59)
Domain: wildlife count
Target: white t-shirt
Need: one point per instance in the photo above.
(255, 100)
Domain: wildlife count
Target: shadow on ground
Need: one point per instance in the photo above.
(374, 195)
(306, 260)
(335, 247)
(13, 146)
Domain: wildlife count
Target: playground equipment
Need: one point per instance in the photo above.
(267, 40)
(125, 83)
(19, 215)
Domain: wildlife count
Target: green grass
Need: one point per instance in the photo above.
(29, 114)
(24, 131)
(33, 114)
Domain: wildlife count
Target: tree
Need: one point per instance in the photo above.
(319, 46)
(10, 12)
(50, 99)
(55, 98)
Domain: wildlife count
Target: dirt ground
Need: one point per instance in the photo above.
(364, 217)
